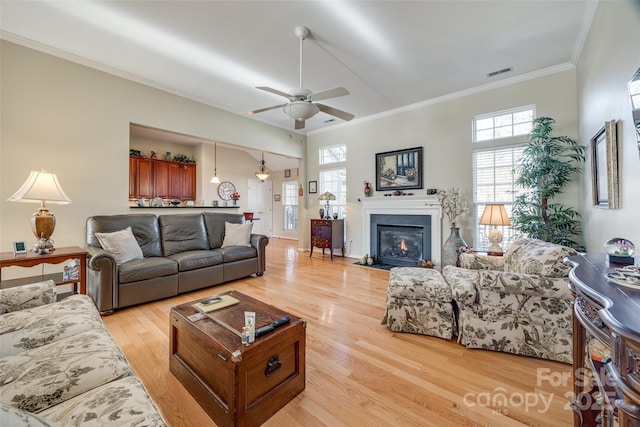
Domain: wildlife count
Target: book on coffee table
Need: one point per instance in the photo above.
(215, 303)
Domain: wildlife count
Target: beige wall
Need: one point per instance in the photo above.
(610, 58)
(444, 129)
(74, 121)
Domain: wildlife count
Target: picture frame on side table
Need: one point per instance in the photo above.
(604, 167)
(399, 170)
(313, 187)
(19, 248)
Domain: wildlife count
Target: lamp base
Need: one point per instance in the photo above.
(43, 222)
(43, 246)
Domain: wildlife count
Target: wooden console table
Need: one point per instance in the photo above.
(606, 317)
(31, 259)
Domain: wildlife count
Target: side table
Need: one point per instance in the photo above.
(31, 259)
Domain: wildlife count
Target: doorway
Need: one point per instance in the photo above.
(259, 202)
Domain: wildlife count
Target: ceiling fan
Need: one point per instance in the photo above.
(302, 103)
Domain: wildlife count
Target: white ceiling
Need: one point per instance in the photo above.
(388, 54)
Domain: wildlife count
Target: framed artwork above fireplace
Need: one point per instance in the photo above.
(399, 170)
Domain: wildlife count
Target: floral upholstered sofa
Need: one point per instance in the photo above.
(519, 303)
(59, 366)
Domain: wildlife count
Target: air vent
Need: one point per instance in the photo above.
(495, 73)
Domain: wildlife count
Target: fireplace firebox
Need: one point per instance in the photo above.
(400, 240)
(400, 245)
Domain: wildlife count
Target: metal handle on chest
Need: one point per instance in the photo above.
(273, 365)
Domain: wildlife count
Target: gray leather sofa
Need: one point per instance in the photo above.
(182, 253)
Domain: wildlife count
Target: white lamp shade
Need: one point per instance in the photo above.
(40, 187)
(215, 180)
(495, 214)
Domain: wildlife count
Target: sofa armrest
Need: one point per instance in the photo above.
(481, 262)
(463, 284)
(27, 296)
(102, 278)
(524, 284)
(260, 242)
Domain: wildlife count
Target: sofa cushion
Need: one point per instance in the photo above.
(533, 256)
(124, 402)
(43, 377)
(237, 234)
(192, 260)
(215, 224)
(31, 328)
(121, 244)
(237, 253)
(145, 228)
(181, 233)
(147, 268)
(27, 296)
(11, 416)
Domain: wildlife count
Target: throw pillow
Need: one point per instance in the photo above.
(121, 244)
(237, 234)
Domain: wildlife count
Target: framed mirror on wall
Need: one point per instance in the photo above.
(634, 93)
(604, 166)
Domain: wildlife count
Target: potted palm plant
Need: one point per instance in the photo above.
(547, 166)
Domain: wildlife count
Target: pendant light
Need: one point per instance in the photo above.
(263, 173)
(215, 179)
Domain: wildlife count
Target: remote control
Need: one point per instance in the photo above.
(271, 326)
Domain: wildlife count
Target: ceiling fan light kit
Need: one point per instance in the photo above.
(302, 105)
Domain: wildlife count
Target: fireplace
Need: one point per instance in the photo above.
(400, 245)
(388, 221)
(400, 240)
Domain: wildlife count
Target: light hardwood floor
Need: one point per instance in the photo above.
(358, 372)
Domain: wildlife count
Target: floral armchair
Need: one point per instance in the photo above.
(519, 303)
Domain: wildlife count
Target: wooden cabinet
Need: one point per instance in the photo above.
(327, 233)
(606, 343)
(149, 178)
(189, 184)
(161, 180)
(140, 177)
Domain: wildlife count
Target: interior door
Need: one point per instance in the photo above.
(260, 203)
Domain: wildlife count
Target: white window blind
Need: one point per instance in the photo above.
(335, 182)
(290, 205)
(494, 182)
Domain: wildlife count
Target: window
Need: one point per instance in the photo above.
(494, 181)
(333, 154)
(503, 124)
(290, 205)
(335, 182)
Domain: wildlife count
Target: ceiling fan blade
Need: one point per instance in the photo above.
(335, 112)
(274, 91)
(331, 93)
(299, 124)
(251, 113)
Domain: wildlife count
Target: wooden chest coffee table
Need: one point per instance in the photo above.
(238, 385)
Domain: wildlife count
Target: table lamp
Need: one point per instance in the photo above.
(326, 196)
(42, 187)
(495, 214)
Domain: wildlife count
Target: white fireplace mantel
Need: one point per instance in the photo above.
(405, 205)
